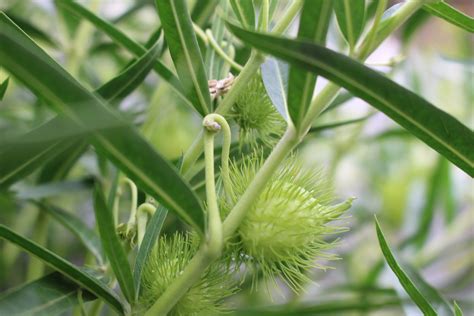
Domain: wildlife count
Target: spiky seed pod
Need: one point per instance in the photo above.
(284, 232)
(256, 116)
(167, 261)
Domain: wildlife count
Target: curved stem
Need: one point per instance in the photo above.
(220, 51)
(133, 204)
(225, 173)
(144, 212)
(211, 247)
(240, 83)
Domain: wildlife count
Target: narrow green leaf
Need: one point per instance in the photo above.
(350, 18)
(275, 81)
(32, 30)
(44, 144)
(434, 190)
(123, 40)
(185, 52)
(443, 10)
(321, 128)
(123, 84)
(405, 281)
(87, 236)
(245, 12)
(3, 88)
(314, 23)
(432, 295)
(112, 246)
(23, 155)
(152, 232)
(457, 310)
(111, 135)
(435, 127)
(74, 273)
(58, 167)
(51, 295)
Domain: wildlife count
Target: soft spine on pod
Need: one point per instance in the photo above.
(284, 233)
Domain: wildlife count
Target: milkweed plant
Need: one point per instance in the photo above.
(234, 221)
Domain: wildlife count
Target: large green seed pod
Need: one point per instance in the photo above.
(167, 261)
(256, 116)
(284, 233)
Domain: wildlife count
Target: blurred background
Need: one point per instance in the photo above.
(423, 202)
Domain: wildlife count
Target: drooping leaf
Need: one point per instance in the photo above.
(185, 52)
(3, 88)
(443, 10)
(87, 236)
(275, 80)
(48, 296)
(151, 234)
(405, 281)
(112, 246)
(111, 134)
(80, 277)
(314, 23)
(245, 12)
(435, 127)
(350, 18)
(123, 40)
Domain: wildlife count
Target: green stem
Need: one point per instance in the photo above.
(220, 51)
(388, 26)
(211, 247)
(369, 44)
(288, 17)
(264, 15)
(282, 149)
(240, 83)
(375, 26)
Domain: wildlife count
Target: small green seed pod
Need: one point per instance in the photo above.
(167, 261)
(284, 232)
(256, 116)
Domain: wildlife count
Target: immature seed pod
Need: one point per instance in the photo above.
(256, 116)
(284, 232)
(167, 261)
